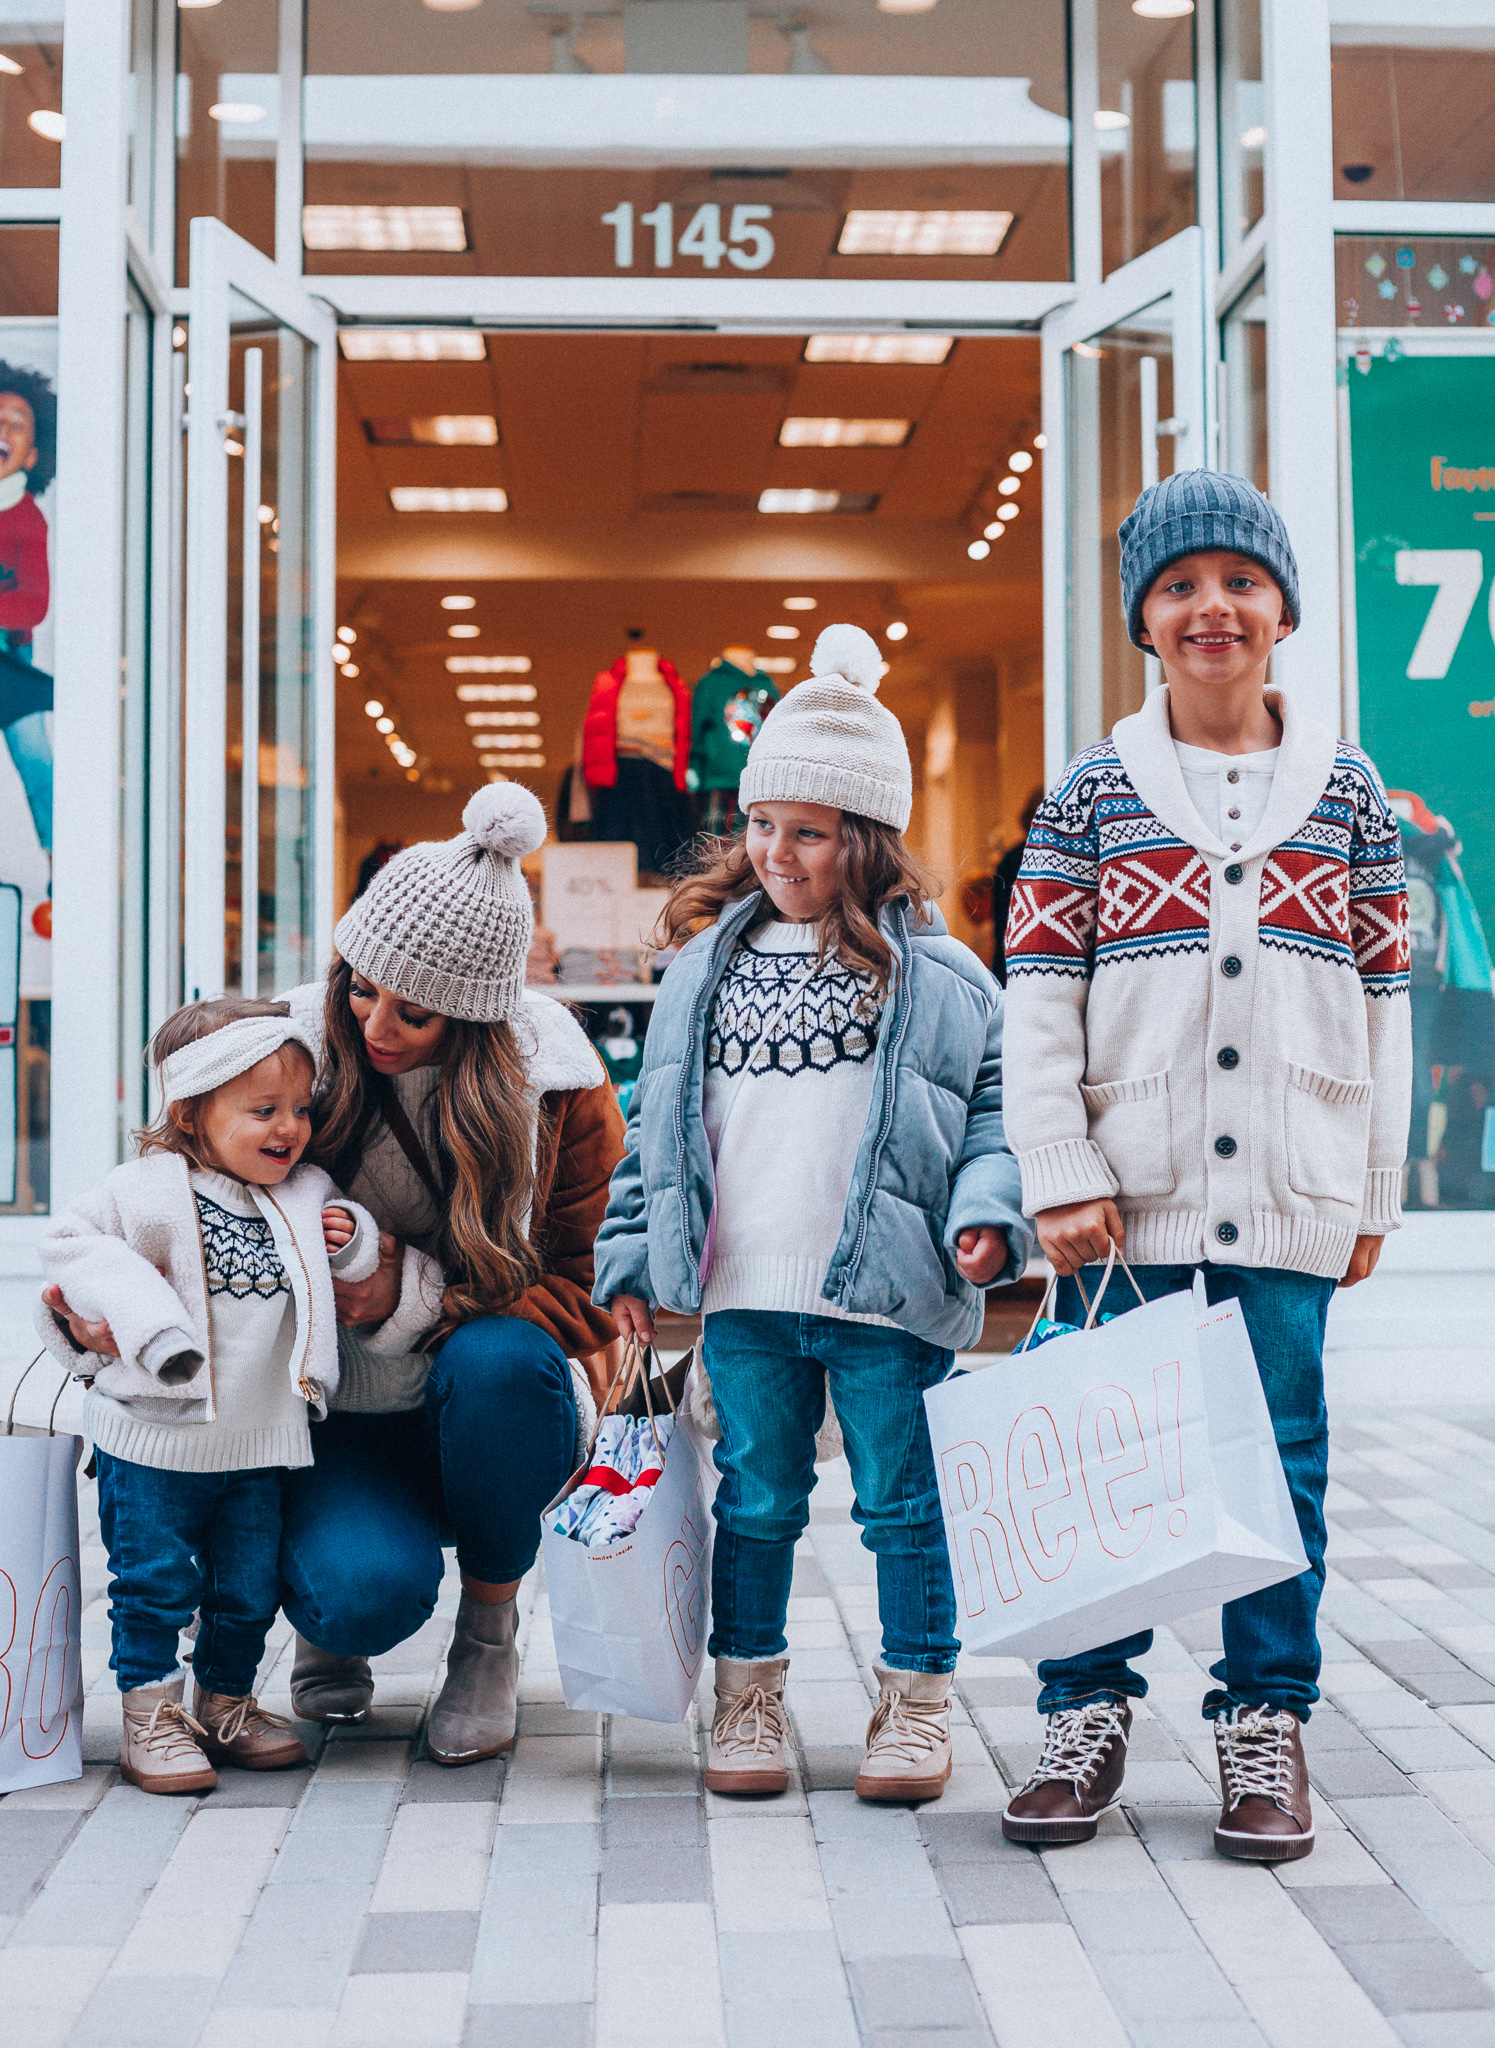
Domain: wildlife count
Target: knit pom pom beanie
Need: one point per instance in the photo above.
(447, 924)
(830, 741)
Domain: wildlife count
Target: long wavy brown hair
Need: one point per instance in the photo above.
(873, 867)
(484, 1155)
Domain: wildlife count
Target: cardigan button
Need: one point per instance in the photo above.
(1226, 1147)
(1234, 872)
(1228, 1057)
(1227, 1233)
(1233, 775)
(1230, 966)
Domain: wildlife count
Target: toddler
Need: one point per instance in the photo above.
(205, 1267)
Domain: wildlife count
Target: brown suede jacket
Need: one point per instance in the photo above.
(580, 1142)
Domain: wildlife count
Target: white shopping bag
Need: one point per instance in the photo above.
(41, 1606)
(1110, 1481)
(629, 1617)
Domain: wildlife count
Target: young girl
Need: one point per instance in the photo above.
(816, 1161)
(205, 1268)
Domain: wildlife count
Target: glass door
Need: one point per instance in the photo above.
(1124, 404)
(258, 771)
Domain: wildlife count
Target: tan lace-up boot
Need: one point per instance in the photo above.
(1265, 1812)
(908, 1738)
(749, 1729)
(1078, 1776)
(240, 1731)
(158, 1748)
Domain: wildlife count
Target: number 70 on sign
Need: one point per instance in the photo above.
(1457, 574)
(748, 244)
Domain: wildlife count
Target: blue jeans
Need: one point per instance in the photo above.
(768, 1372)
(1271, 1645)
(181, 1543)
(491, 1445)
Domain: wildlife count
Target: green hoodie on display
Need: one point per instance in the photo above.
(726, 711)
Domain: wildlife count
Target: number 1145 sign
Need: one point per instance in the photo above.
(747, 244)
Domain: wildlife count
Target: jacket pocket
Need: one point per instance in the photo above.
(1328, 1135)
(1132, 1122)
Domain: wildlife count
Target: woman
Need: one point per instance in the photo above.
(475, 1122)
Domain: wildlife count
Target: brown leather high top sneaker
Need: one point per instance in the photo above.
(1078, 1776)
(238, 1730)
(1265, 1814)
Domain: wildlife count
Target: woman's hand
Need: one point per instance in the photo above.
(97, 1337)
(631, 1314)
(373, 1300)
(980, 1254)
(1079, 1234)
(1363, 1259)
(337, 1228)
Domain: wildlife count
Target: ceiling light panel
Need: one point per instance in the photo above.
(817, 501)
(508, 739)
(463, 632)
(435, 430)
(776, 664)
(783, 632)
(501, 718)
(878, 348)
(835, 433)
(385, 230)
(411, 344)
(459, 604)
(800, 604)
(495, 693)
(448, 498)
(870, 231)
(488, 665)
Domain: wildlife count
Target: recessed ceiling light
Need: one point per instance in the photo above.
(495, 693)
(837, 433)
(374, 708)
(463, 632)
(1021, 461)
(776, 664)
(798, 501)
(800, 604)
(878, 348)
(871, 231)
(458, 604)
(1150, 10)
(435, 430)
(448, 498)
(783, 632)
(509, 739)
(385, 229)
(385, 725)
(897, 630)
(350, 670)
(1108, 118)
(234, 112)
(1040, 440)
(979, 550)
(994, 531)
(10, 67)
(1010, 510)
(512, 761)
(46, 123)
(501, 718)
(1253, 138)
(1009, 484)
(346, 634)
(488, 665)
(410, 344)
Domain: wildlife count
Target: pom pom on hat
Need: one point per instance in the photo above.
(507, 818)
(848, 652)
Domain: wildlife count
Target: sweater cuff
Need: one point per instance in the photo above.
(1382, 1209)
(172, 1357)
(1073, 1170)
(358, 1259)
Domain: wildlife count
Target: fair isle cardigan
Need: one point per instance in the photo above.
(1216, 1035)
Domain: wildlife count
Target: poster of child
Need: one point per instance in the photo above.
(28, 462)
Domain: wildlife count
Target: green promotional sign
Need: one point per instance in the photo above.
(1422, 444)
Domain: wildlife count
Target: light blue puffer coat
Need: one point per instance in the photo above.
(933, 1160)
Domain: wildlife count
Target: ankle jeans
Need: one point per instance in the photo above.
(1271, 1644)
(768, 1371)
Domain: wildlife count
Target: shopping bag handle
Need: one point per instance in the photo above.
(1094, 1308)
(15, 1395)
(636, 1363)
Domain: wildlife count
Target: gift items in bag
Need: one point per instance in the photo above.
(41, 1599)
(1113, 1479)
(628, 1611)
(627, 1463)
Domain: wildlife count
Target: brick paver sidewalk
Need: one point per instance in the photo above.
(590, 1891)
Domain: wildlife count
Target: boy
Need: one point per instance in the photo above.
(1208, 1047)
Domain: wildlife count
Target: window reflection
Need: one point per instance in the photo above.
(1243, 407)
(1145, 125)
(1414, 123)
(1242, 121)
(227, 102)
(31, 98)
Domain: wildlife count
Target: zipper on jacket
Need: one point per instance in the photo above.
(709, 981)
(207, 1299)
(896, 1046)
(308, 1391)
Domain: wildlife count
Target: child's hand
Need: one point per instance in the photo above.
(337, 1229)
(1362, 1259)
(1079, 1234)
(631, 1314)
(980, 1254)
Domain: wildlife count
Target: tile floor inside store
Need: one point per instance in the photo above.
(589, 1891)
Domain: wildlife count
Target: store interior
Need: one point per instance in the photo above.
(518, 512)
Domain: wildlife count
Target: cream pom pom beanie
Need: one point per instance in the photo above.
(447, 924)
(830, 741)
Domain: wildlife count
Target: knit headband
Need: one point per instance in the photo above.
(226, 1053)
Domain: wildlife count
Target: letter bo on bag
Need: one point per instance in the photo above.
(1111, 1480)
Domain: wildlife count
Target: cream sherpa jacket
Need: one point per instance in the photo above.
(1218, 1036)
(131, 1253)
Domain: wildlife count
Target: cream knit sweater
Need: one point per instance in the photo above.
(1219, 1038)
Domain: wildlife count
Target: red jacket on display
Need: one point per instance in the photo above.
(599, 732)
(24, 589)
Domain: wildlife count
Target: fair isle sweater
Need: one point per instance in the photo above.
(1217, 1034)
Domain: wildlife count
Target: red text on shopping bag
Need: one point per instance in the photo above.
(685, 1583)
(39, 1673)
(1097, 1473)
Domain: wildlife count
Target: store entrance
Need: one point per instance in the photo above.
(520, 512)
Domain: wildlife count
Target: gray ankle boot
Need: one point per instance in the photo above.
(478, 1707)
(329, 1688)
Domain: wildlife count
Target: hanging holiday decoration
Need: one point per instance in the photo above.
(1376, 264)
(1387, 288)
(1351, 312)
(1414, 309)
(1483, 284)
(1453, 314)
(1393, 351)
(1469, 264)
(1405, 258)
(1362, 358)
(1437, 277)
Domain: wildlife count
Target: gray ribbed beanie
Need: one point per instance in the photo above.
(830, 741)
(447, 924)
(1192, 511)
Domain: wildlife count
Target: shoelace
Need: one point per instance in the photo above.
(1256, 1757)
(171, 1731)
(908, 1730)
(1074, 1743)
(765, 1712)
(244, 1715)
